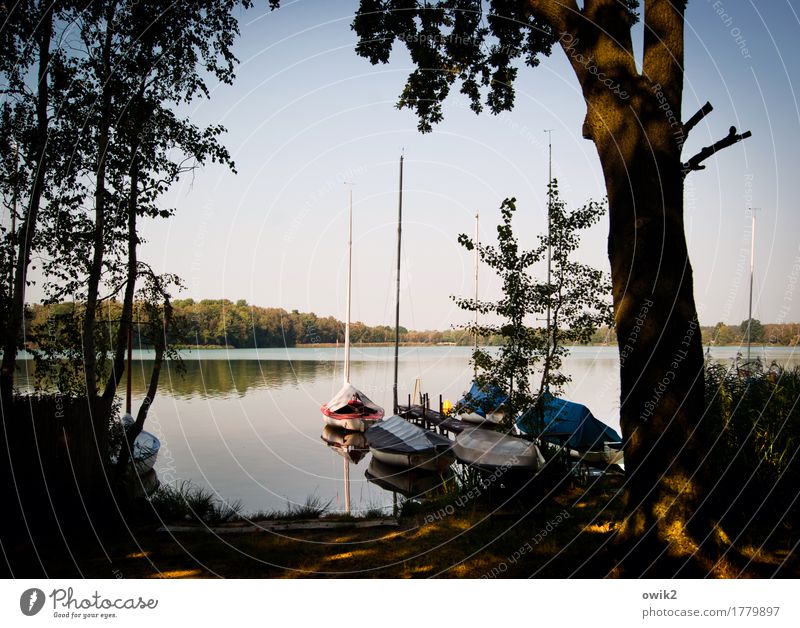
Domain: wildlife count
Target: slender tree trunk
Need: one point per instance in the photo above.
(97, 407)
(28, 228)
(126, 322)
(133, 431)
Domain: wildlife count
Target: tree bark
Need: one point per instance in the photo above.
(133, 431)
(634, 121)
(99, 407)
(118, 367)
(28, 227)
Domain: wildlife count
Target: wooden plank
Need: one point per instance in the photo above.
(435, 418)
(282, 526)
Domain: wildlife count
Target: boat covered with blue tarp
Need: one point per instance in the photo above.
(482, 403)
(573, 425)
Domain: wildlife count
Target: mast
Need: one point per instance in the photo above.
(549, 212)
(477, 259)
(752, 266)
(349, 281)
(397, 301)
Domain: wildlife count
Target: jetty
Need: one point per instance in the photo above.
(436, 421)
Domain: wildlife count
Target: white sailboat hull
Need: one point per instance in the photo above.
(353, 424)
(484, 448)
(427, 461)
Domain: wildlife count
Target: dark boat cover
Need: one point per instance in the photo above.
(561, 417)
(395, 434)
(482, 400)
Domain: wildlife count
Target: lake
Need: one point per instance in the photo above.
(246, 423)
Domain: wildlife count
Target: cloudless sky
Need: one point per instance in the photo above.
(307, 114)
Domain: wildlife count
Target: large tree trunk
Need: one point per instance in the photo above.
(634, 120)
(661, 358)
(28, 228)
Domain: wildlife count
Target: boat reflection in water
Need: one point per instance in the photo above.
(410, 483)
(351, 446)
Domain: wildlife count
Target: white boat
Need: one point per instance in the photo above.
(399, 443)
(493, 450)
(350, 409)
(145, 448)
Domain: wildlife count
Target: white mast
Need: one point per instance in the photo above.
(753, 211)
(549, 212)
(349, 281)
(397, 302)
(477, 259)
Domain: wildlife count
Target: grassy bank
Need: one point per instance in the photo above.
(565, 536)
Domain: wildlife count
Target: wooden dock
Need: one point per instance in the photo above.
(436, 421)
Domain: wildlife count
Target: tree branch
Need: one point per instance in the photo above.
(692, 122)
(558, 13)
(729, 140)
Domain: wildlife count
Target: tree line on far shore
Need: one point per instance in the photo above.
(225, 323)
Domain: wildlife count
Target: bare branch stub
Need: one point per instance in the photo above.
(702, 113)
(695, 163)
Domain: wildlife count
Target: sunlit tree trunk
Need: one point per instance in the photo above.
(634, 120)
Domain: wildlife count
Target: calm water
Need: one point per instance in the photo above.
(247, 424)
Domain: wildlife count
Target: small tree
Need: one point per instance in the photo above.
(752, 328)
(577, 297)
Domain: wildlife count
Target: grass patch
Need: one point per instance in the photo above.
(186, 501)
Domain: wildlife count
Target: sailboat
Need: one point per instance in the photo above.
(350, 408)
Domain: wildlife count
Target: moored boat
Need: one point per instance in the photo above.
(492, 450)
(572, 426)
(350, 409)
(397, 442)
(482, 405)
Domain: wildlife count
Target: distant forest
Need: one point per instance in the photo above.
(224, 323)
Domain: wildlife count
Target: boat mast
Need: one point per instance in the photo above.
(349, 281)
(397, 301)
(549, 212)
(477, 260)
(753, 211)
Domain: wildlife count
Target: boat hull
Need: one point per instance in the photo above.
(607, 457)
(492, 450)
(425, 461)
(493, 418)
(353, 423)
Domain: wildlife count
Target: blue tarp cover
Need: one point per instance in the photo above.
(483, 400)
(586, 432)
